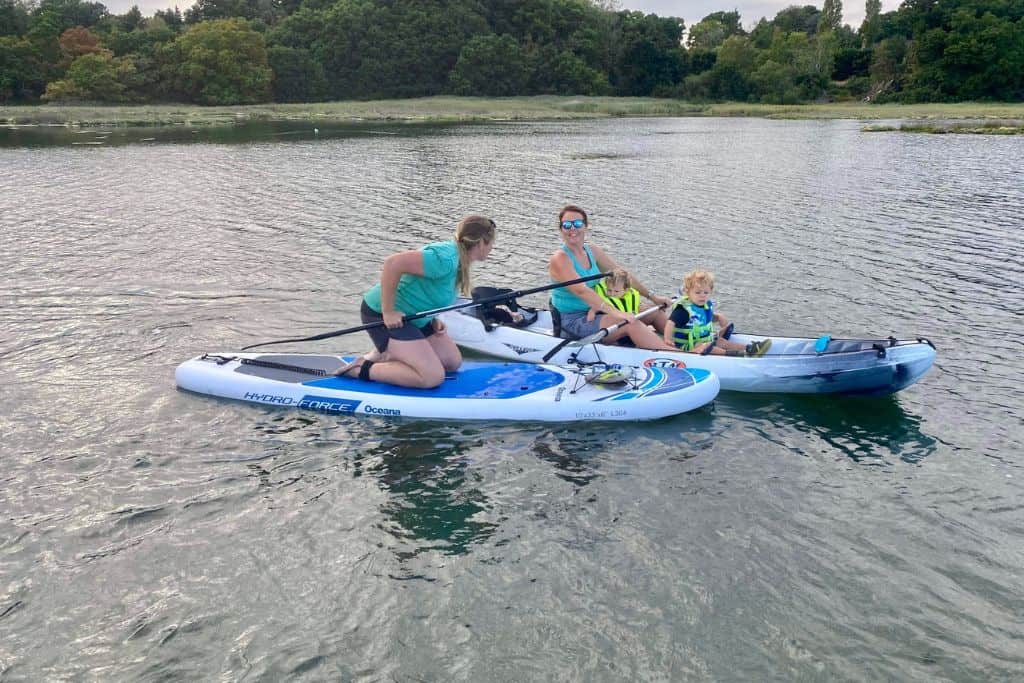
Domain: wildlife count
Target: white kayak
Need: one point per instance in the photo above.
(793, 365)
(478, 391)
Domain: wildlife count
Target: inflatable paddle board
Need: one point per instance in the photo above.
(477, 391)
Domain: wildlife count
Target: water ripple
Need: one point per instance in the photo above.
(150, 533)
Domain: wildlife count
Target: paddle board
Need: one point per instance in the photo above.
(477, 391)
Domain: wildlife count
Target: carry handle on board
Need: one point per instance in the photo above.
(424, 314)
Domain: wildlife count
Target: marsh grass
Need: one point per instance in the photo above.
(999, 127)
(458, 109)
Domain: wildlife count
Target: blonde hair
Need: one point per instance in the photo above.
(696, 277)
(620, 277)
(471, 231)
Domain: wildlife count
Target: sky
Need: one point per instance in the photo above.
(691, 11)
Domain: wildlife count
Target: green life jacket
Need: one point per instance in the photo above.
(629, 302)
(699, 329)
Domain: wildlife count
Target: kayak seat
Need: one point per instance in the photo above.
(496, 311)
(556, 324)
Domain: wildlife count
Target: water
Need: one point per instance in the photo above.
(151, 534)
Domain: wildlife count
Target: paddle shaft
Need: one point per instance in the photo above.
(597, 336)
(436, 311)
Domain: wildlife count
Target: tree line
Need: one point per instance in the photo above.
(252, 51)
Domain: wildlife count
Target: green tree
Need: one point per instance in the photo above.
(143, 40)
(22, 75)
(870, 27)
(57, 16)
(712, 30)
(171, 18)
(649, 53)
(492, 66)
(850, 62)
(219, 62)
(974, 54)
(731, 74)
(831, 16)
(762, 34)
(795, 19)
(795, 67)
(13, 18)
(403, 48)
(131, 20)
(97, 76)
(208, 10)
(298, 77)
(564, 73)
(887, 68)
(303, 29)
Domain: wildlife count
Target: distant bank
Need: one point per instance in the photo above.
(1005, 117)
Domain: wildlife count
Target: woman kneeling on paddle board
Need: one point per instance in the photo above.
(418, 353)
(582, 311)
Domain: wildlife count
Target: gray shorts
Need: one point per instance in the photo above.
(577, 325)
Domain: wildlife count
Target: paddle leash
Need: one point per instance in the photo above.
(454, 307)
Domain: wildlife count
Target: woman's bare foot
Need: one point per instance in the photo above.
(350, 369)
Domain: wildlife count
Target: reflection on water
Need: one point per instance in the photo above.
(432, 499)
(238, 133)
(794, 526)
(571, 452)
(862, 429)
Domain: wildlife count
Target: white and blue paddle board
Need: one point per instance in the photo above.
(477, 391)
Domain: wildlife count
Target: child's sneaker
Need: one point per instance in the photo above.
(759, 348)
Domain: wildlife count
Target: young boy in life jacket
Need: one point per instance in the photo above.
(691, 322)
(617, 289)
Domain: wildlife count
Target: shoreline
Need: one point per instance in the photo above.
(445, 109)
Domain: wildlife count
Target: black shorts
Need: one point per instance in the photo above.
(381, 334)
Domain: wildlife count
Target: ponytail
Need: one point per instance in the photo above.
(472, 230)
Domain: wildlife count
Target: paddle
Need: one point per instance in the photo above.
(597, 336)
(454, 307)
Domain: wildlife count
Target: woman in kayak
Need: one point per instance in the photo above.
(418, 353)
(582, 311)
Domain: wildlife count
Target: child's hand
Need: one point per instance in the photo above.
(699, 348)
(591, 314)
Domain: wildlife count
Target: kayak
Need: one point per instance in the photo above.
(793, 365)
(477, 391)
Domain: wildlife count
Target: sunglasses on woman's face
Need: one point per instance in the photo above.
(577, 224)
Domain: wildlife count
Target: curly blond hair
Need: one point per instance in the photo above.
(698, 277)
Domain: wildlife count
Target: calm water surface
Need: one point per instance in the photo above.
(151, 534)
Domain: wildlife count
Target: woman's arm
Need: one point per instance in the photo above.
(560, 269)
(395, 266)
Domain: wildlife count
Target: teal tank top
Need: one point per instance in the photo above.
(564, 300)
